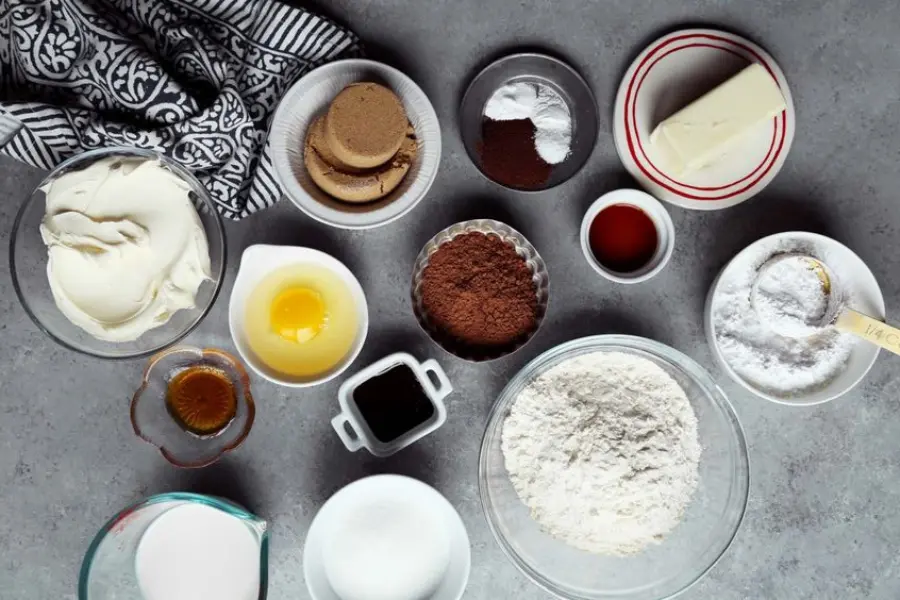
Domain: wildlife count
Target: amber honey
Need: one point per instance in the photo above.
(202, 400)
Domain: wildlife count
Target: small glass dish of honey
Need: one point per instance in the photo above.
(194, 405)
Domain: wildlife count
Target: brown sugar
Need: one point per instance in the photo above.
(365, 125)
(477, 290)
(348, 183)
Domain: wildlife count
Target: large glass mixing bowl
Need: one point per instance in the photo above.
(661, 571)
(28, 266)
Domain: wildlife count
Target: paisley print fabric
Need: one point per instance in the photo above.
(195, 79)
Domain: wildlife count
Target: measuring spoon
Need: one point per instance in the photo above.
(836, 313)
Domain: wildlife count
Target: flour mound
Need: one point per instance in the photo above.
(604, 451)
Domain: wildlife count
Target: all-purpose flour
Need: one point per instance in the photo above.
(604, 451)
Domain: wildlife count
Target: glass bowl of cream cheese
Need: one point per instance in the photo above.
(118, 253)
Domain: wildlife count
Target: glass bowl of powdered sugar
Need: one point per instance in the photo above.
(613, 467)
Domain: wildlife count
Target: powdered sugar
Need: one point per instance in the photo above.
(604, 451)
(750, 333)
(546, 109)
(790, 295)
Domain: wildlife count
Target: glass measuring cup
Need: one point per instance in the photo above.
(108, 570)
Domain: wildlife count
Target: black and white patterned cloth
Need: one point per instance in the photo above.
(195, 79)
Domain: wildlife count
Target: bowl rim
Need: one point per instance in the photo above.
(498, 63)
(94, 155)
(286, 180)
(710, 329)
(608, 341)
(500, 229)
(644, 202)
(302, 254)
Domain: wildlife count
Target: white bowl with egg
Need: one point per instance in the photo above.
(387, 536)
(853, 276)
(297, 316)
(309, 98)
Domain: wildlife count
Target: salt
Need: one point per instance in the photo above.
(782, 365)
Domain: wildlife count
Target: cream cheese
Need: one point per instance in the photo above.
(126, 247)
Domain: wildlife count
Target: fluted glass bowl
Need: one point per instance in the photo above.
(524, 249)
(28, 267)
(661, 571)
(153, 423)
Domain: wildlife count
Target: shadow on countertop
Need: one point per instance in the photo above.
(226, 478)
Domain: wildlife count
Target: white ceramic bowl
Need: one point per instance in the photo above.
(653, 208)
(258, 261)
(309, 98)
(854, 276)
(379, 489)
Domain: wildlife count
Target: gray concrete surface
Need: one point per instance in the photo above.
(824, 515)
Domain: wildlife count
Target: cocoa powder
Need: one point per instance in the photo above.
(508, 154)
(477, 290)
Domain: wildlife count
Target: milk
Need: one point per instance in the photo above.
(197, 552)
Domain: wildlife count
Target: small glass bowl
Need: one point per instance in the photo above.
(709, 524)
(151, 419)
(28, 267)
(523, 247)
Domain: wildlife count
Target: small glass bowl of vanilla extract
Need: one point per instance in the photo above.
(194, 405)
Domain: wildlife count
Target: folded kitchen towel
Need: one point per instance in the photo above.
(195, 79)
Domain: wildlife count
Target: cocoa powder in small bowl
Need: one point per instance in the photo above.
(475, 293)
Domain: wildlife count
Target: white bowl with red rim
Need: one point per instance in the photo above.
(671, 73)
(662, 222)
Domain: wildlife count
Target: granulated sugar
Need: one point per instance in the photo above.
(782, 365)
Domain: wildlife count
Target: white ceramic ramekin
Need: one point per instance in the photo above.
(665, 232)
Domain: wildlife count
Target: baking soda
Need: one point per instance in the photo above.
(546, 109)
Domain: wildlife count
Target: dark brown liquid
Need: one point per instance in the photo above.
(393, 403)
(202, 400)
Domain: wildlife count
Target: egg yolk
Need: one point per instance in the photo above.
(298, 314)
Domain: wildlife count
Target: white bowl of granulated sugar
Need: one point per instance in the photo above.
(799, 371)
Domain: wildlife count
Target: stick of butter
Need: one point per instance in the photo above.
(700, 133)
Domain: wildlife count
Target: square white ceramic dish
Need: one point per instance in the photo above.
(352, 428)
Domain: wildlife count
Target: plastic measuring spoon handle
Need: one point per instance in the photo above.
(873, 330)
